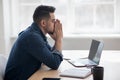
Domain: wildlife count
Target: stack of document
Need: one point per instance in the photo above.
(76, 72)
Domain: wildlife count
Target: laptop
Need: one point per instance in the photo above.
(93, 58)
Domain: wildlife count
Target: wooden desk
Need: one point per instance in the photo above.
(110, 60)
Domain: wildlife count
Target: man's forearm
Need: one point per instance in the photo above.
(58, 45)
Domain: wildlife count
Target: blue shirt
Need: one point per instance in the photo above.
(30, 50)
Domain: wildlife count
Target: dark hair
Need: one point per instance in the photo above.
(42, 11)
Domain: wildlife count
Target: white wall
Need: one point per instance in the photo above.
(2, 38)
(5, 26)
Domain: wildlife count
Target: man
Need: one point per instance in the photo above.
(31, 48)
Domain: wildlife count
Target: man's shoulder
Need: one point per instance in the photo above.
(28, 32)
(29, 35)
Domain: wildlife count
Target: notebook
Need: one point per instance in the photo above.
(76, 72)
(93, 57)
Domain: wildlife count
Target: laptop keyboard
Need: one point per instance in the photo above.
(86, 61)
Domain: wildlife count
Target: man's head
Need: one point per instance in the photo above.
(44, 16)
(42, 12)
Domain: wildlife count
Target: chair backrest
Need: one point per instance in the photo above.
(3, 61)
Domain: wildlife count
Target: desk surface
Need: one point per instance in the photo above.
(110, 60)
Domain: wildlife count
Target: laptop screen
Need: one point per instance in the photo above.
(95, 51)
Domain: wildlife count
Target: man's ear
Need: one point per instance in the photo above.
(43, 22)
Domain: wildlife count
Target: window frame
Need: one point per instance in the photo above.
(67, 31)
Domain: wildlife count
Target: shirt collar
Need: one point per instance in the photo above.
(38, 30)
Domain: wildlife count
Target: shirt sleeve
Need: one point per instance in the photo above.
(55, 51)
(38, 48)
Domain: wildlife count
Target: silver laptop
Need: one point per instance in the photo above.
(93, 57)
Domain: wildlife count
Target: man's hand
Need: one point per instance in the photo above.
(57, 35)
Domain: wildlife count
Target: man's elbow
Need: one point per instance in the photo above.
(56, 63)
(56, 66)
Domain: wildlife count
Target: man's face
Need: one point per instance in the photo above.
(50, 24)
